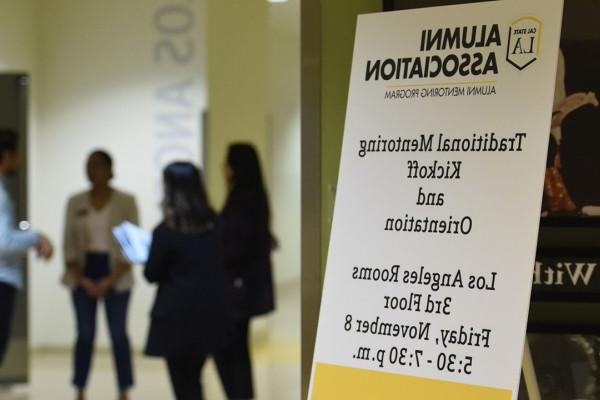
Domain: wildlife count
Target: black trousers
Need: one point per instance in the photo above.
(185, 376)
(234, 366)
(7, 308)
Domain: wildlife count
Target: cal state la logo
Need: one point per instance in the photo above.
(524, 36)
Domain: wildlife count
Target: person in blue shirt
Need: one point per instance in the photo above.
(14, 243)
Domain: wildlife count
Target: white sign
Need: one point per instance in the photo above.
(435, 227)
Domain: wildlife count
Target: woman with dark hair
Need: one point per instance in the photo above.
(189, 315)
(95, 269)
(248, 245)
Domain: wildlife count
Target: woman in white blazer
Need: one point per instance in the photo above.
(96, 270)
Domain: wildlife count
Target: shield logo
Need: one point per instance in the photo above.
(524, 36)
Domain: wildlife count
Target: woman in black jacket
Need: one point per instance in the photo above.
(189, 316)
(248, 244)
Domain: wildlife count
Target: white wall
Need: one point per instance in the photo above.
(127, 76)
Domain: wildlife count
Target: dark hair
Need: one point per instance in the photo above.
(185, 204)
(243, 160)
(8, 141)
(104, 156)
(247, 190)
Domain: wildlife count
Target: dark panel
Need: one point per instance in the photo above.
(311, 72)
(13, 115)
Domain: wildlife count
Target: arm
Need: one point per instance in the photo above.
(240, 238)
(70, 252)
(131, 215)
(156, 266)
(132, 212)
(122, 266)
(13, 241)
(69, 243)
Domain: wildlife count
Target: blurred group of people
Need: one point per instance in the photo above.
(213, 270)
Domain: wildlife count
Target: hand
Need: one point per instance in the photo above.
(122, 265)
(90, 288)
(44, 247)
(103, 286)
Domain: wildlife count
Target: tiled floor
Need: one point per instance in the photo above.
(276, 353)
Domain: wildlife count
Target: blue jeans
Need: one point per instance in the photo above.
(116, 305)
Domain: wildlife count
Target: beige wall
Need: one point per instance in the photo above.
(284, 135)
(237, 83)
(17, 42)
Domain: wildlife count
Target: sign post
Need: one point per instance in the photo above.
(435, 225)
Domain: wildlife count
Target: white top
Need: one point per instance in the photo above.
(99, 229)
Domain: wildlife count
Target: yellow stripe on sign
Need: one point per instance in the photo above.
(333, 382)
